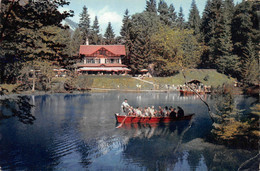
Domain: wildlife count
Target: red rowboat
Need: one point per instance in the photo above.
(134, 119)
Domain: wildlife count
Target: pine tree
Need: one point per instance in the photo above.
(76, 41)
(143, 26)
(194, 18)
(210, 27)
(125, 35)
(246, 35)
(84, 24)
(226, 62)
(180, 19)
(126, 25)
(164, 12)
(172, 16)
(250, 67)
(95, 36)
(109, 35)
(151, 6)
(24, 36)
(206, 28)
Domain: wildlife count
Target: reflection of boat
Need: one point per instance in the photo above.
(134, 119)
(191, 92)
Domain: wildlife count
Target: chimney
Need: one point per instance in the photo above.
(87, 43)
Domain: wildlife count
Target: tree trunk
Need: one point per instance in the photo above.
(33, 86)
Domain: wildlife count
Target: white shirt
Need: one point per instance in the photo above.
(125, 104)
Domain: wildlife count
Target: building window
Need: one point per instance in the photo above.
(90, 61)
(97, 61)
(117, 60)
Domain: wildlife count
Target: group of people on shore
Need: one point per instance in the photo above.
(151, 111)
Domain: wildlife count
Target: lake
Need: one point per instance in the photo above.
(78, 132)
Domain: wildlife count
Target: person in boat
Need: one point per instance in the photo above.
(149, 111)
(173, 113)
(131, 111)
(146, 111)
(180, 112)
(165, 111)
(160, 111)
(152, 111)
(138, 112)
(125, 107)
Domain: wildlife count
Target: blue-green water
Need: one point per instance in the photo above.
(77, 132)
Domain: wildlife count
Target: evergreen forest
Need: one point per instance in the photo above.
(225, 38)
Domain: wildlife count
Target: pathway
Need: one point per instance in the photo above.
(149, 82)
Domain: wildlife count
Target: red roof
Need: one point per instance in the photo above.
(100, 65)
(90, 49)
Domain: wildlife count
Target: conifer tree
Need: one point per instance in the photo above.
(172, 16)
(95, 36)
(125, 35)
(206, 28)
(225, 61)
(194, 18)
(109, 35)
(151, 6)
(24, 34)
(250, 66)
(84, 24)
(164, 12)
(76, 41)
(180, 19)
(126, 25)
(210, 29)
(143, 26)
(246, 35)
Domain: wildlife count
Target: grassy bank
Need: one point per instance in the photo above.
(207, 77)
(118, 82)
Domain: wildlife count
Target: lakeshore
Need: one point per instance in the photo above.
(127, 83)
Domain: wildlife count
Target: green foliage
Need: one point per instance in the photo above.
(109, 35)
(164, 12)
(151, 6)
(194, 18)
(125, 29)
(76, 41)
(246, 35)
(95, 37)
(229, 124)
(27, 33)
(174, 49)
(43, 74)
(143, 26)
(84, 24)
(172, 16)
(81, 83)
(180, 20)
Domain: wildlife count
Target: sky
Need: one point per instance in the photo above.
(113, 10)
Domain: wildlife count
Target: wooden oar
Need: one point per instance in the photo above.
(122, 122)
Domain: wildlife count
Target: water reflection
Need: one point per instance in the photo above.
(78, 132)
(156, 146)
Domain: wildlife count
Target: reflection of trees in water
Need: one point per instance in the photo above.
(162, 147)
(217, 157)
(154, 146)
(19, 107)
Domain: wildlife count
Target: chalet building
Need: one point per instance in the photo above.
(102, 59)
